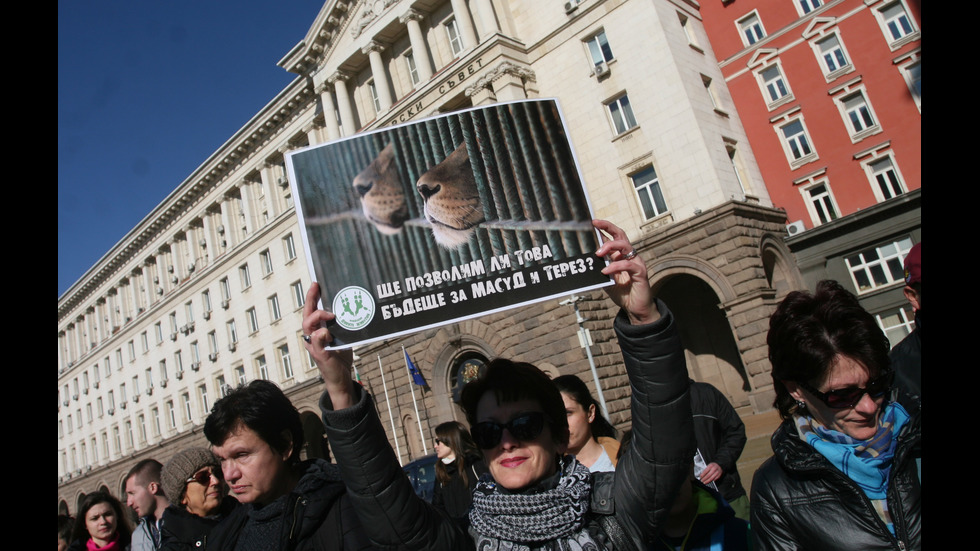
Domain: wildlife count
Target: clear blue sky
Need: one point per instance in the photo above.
(147, 90)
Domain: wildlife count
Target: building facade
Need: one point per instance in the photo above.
(832, 91)
(206, 292)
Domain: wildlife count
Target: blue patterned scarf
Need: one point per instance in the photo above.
(866, 462)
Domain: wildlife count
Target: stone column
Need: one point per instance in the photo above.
(269, 185)
(420, 50)
(339, 81)
(373, 51)
(465, 22)
(210, 236)
(485, 18)
(329, 114)
(248, 206)
(312, 135)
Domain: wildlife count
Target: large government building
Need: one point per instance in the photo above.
(206, 292)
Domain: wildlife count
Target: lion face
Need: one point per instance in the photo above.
(452, 201)
(381, 193)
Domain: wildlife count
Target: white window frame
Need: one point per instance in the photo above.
(253, 320)
(265, 258)
(859, 117)
(456, 45)
(245, 276)
(652, 190)
(689, 32)
(831, 73)
(874, 172)
(896, 323)
(804, 7)
(908, 30)
(232, 331)
(289, 247)
(750, 22)
(622, 115)
(299, 297)
(202, 392)
(240, 374)
(375, 100)
(713, 95)
(788, 141)
(225, 287)
(887, 265)
(185, 399)
(413, 71)
(822, 208)
(285, 362)
(594, 48)
(275, 312)
(171, 414)
(770, 86)
(905, 66)
(262, 367)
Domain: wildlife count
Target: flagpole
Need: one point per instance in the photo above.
(390, 417)
(411, 383)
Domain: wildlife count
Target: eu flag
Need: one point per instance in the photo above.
(416, 374)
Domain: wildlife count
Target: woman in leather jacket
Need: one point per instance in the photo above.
(843, 473)
(534, 496)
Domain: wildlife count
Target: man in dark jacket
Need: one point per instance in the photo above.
(287, 504)
(906, 357)
(721, 438)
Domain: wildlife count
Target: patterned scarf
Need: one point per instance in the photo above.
(866, 462)
(550, 519)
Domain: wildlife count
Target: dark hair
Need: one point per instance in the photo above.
(807, 332)
(146, 471)
(262, 407)
(65, 524)
(511, 381)
(80, 530)
(575, 387)
(454, 435)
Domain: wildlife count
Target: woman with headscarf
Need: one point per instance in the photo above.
(199, 499)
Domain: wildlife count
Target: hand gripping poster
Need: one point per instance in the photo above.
(436, 221)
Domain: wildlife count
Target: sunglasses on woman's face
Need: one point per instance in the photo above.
(849, 397)
(524, 427)
(204, 477)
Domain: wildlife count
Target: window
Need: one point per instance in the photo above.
(261, 367)
(158, 331)
(374, 96)
(274, 312)
(155, 421)
(116, 439)
(206, 299)
(289, 247)
(145, 342)
(112, 403)
(774, 86)
(88, 412)
(221, 385)
(820, 203)
(105, 445)
(796, 143)
(857, 113)
(897, 24)
(622, 114)
(99, 411)
(879, 266)
(689, 32)
(240, 374)
(833, 58)
(455, 41)
(298, 297)
(203, 393)
(130, 444)
(886, 181)
(163, 369)
(122, 393)
(253, 320)
(913, 77)
(413, 73)
(189, 311)
(647, 186)
(599, 49)
(212, 342)
(712, 95)
(287, 364)
(897, 323)
(751, 29)
(141, 428)
(232, 332)
(171, 414)
(195, 353)
(244, 276)
(132, 352)
(806, 6)
(173, 324)
(185, 400)
(225, 289)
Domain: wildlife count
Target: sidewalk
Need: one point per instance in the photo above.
(758, 430)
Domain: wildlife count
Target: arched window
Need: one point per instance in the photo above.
(466, 367)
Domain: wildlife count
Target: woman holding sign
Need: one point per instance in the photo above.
(535, 494)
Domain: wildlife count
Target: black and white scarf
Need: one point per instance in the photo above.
(550, 519)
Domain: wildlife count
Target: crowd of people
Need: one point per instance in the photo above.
(538, 466)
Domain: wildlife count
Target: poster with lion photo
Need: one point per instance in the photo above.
(436, 221)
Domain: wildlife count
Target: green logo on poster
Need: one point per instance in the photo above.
(354, 307)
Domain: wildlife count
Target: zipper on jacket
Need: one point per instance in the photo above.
(297, 511)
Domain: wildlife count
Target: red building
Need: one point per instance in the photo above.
(830, 97)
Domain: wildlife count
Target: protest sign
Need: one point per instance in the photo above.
(436, 221)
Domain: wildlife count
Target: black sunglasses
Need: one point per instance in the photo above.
(204, 477)
(849, 397)
(524, 427)
(438, 441)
